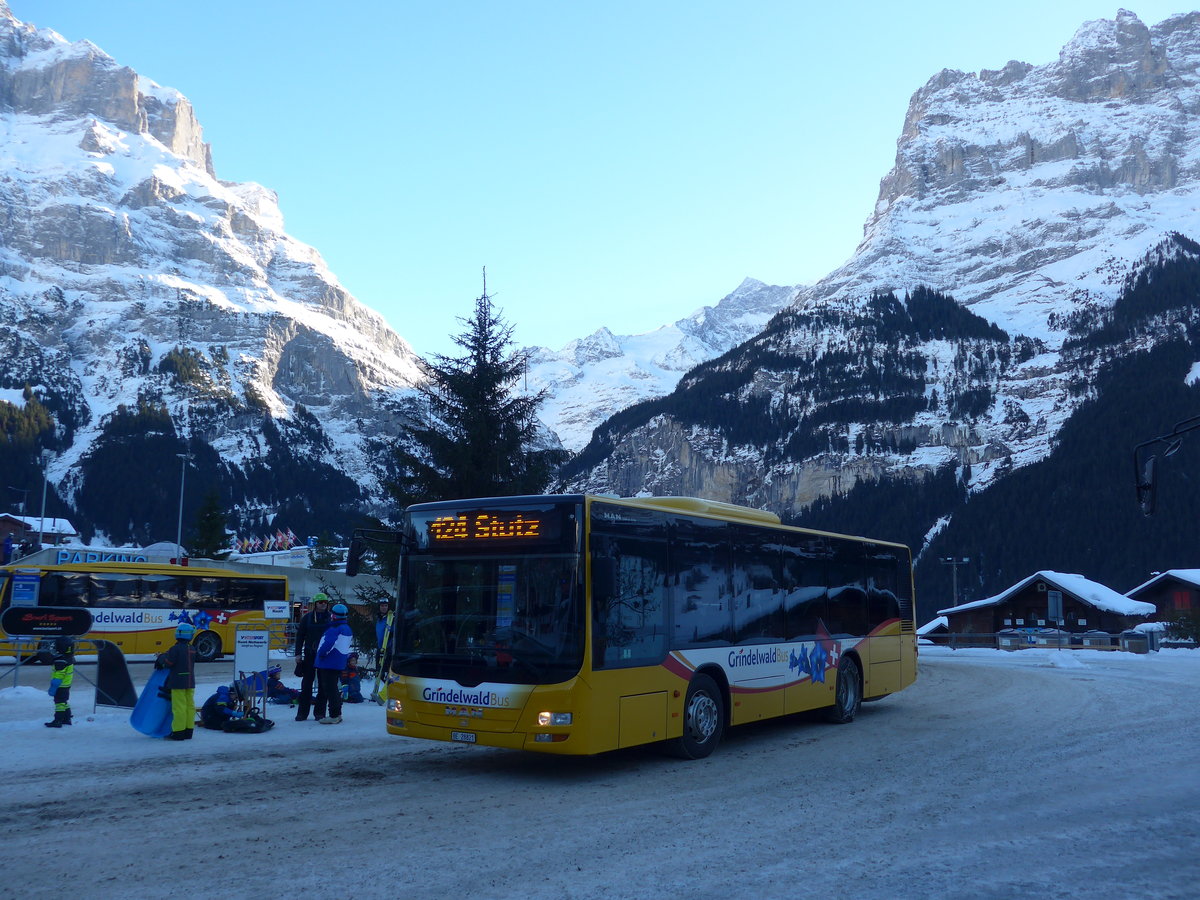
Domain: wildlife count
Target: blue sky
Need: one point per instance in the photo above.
(611, 164)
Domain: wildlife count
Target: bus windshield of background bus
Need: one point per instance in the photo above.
(509, 619)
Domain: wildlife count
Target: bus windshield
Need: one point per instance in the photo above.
(510, 619)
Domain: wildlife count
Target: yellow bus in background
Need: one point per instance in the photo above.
(137, 606)
(581, 624)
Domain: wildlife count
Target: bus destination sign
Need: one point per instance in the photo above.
(482, 526)
(473, 530)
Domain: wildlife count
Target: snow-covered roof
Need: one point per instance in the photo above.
(1191, 576)
(934, 624)
(1089, 592)
(47, 525)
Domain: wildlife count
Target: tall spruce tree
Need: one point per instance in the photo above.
(478, 439)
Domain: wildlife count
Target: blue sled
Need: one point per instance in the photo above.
(152, 714)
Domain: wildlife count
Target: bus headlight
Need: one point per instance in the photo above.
(395, 706)
(546, 719)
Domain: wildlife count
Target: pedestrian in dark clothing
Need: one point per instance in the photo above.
(381, 624)
(180, 663)
(278, 692)
(308, 635)
(60, 681)
(8, 549)
(219, 709)
(332, 655)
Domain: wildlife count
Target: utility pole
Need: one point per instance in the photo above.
(954, 562)
(46, 454)
(183, 457)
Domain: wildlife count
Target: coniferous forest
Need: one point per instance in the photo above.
(1075, 511)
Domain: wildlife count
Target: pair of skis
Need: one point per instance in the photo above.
(380, 677)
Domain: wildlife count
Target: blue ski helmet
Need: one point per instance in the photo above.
(340, 611)
(185, 631)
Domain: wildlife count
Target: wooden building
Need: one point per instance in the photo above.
(1087, 607)
(1170, 591)
(27, 529)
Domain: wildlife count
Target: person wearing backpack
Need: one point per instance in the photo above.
(332, 655)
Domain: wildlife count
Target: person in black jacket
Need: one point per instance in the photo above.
(308, 635)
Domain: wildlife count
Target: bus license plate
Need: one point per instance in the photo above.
(464, 736)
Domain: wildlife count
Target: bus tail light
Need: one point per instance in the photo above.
(546, 719)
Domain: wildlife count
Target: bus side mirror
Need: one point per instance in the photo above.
(354, 556)
(1147, 486)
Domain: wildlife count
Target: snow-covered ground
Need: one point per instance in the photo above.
(1039, 773)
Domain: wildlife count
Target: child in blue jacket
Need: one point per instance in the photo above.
(332, 655)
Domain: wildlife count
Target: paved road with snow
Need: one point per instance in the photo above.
(996, 775)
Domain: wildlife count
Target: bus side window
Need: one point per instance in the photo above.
(805, 587)
(206, 593)
(630, 627)
(64, 589)
(245, 594)
(114, 590)
(755, 572)
(700, 581)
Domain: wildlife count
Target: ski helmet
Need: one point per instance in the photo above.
(185, 631)
(340, 611)
(64, 644)
(320, 597)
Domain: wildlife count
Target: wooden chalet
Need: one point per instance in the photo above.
(1170, 591)
(1025, 607)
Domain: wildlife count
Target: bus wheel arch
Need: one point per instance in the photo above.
(848, 690)
(207, 645)
(705, 716)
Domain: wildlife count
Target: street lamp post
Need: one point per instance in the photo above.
(183, 461)
(954, 562)
(46, 454)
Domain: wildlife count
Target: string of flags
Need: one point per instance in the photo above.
(280, 540)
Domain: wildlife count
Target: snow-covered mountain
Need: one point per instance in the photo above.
(132, 278)
(1030, 196)
(591, 378)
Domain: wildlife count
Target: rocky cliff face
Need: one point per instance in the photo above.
(1030, 196)
(121, 254)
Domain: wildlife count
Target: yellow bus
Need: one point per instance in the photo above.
(581, 624)
(138, 605)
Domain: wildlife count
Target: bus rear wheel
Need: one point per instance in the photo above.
(703, 720)
(207, 646)
(847, 693)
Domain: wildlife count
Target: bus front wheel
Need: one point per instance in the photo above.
(847, 693)
(703, 720)
(207, 646)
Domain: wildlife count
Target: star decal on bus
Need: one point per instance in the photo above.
(815, 661)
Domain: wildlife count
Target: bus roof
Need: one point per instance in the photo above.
(697, 506)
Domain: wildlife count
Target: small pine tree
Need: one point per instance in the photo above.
(324, 554)
(209, 538)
